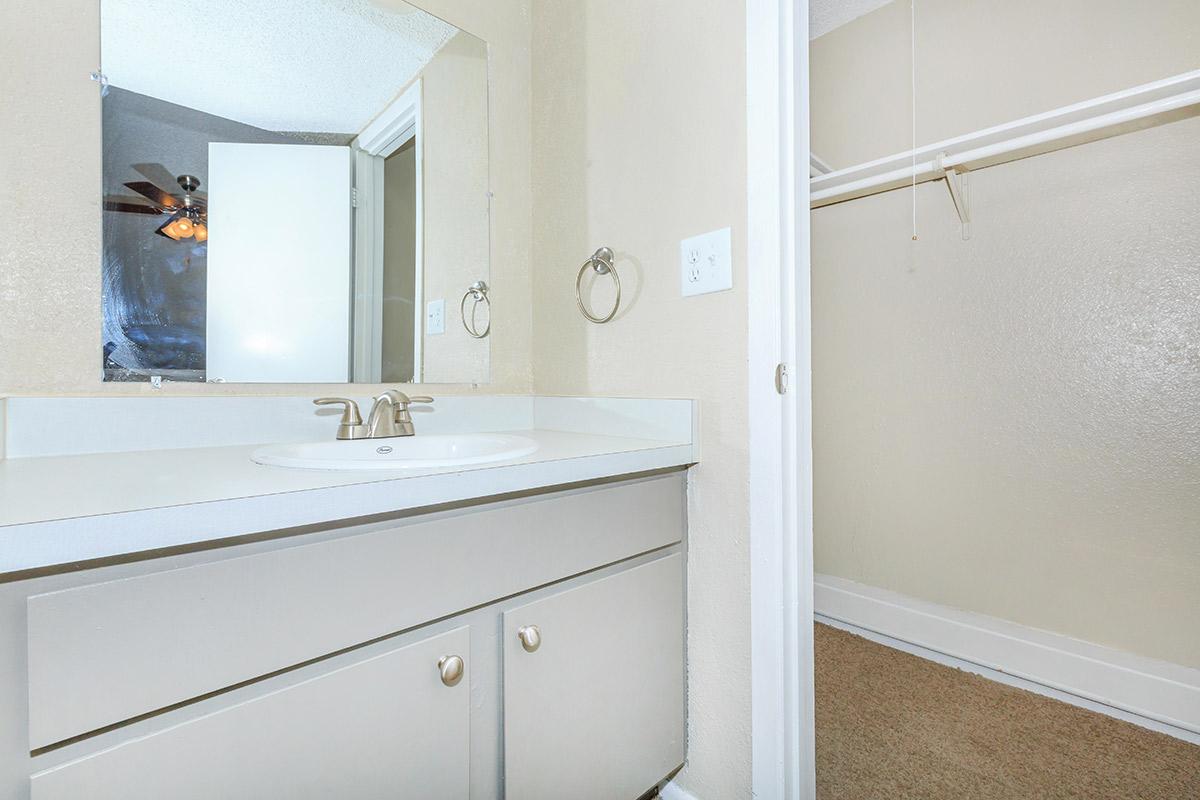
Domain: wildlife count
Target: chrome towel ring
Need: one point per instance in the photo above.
(478, 291)
(602, 262)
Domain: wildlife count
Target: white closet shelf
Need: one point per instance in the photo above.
(1145, 106)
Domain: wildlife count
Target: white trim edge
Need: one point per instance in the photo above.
(673, 791)
(1153, 694)
(391, 127)
(777, 283)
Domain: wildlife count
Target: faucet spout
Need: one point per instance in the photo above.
(381, 423)
(390, 417)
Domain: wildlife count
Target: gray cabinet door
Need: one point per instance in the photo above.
(384, 727)
(597, 710)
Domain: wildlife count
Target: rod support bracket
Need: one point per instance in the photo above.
(956, 182)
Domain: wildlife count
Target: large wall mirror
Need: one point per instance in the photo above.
(294, 191)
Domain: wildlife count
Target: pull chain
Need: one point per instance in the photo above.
(912, 26)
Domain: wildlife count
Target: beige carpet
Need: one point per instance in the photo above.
(891, 725)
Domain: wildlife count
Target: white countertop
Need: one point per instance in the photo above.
(65, 509)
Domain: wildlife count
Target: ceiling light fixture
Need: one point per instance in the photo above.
(179, 228)
(187, 214)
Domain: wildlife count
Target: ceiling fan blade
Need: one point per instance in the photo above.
(156, 174)
(155, 194)
(130, 205)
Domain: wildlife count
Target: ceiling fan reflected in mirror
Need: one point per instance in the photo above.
(187, 213)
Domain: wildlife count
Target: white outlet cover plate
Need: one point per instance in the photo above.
(435, 317)
(706, 263)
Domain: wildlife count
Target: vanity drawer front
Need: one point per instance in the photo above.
(103, 653)
(383, 727)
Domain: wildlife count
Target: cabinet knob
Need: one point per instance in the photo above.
(531, 638)
(452, 669)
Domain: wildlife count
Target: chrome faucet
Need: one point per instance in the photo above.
(389, 416)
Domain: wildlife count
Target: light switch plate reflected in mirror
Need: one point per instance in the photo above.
(435, 317)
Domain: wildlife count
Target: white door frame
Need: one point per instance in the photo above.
(780, 424)
(398, 123)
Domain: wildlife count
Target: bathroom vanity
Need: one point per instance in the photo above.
(505, 630)
(241, 597)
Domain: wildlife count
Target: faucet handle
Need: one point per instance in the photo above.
(350, 413)
(400, 415)
(351, 425)
(400, 399)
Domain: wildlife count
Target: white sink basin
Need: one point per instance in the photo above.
(401, 452)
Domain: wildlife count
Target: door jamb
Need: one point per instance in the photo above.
(782, 728)
(394, 127)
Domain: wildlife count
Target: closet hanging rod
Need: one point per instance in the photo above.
(1141, 107)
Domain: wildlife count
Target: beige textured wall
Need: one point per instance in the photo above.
(1009, 425)
(50, 172)
(640, 139)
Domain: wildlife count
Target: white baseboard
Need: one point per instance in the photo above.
(672, 791)
(1153, 694)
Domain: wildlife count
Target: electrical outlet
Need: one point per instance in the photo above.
(435, 317)
(706, 263)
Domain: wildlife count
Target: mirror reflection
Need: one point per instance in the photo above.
(294, 191)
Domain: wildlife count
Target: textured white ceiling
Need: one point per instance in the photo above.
(282, 65)
(825, 15)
